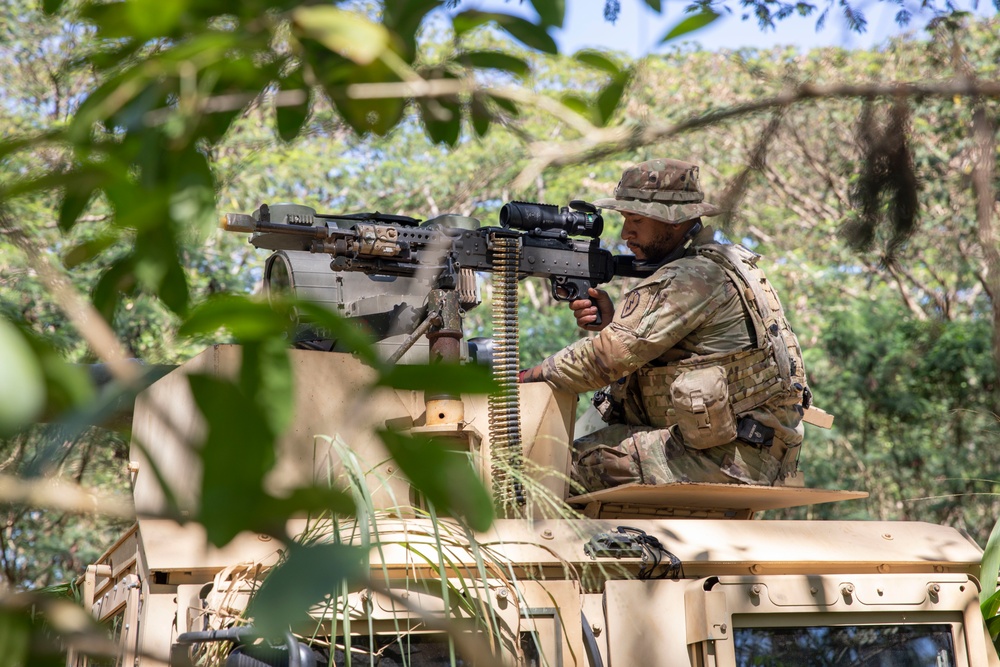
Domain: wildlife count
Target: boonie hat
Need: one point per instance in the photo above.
(662, 189)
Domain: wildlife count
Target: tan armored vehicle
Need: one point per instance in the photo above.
(636, 575)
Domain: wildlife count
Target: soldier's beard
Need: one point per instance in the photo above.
(654, 252)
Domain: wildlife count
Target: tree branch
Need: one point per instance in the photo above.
(81, 313)
(60, 497)
(622, 138)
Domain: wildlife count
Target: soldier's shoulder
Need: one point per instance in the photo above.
(691, 275)
(696, 267)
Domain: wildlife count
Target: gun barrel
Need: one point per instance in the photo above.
(246, 224)
(238, 222)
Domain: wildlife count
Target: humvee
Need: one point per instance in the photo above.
(681, 574)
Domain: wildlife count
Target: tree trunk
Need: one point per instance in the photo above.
(983, 167)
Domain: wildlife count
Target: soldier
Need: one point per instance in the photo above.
(703, 378)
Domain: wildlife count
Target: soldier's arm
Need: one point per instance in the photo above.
(650, 320)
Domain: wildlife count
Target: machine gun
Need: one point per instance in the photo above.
(559, 244)
(393, 245)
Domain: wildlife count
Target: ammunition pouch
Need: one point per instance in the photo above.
(751, 380)
(704, 414)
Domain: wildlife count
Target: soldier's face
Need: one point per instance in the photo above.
(651, 240)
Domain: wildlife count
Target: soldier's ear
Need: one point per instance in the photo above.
(693, 230)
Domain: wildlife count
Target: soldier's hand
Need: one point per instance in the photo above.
(585, 310)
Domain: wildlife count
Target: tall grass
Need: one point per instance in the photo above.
(468, 568)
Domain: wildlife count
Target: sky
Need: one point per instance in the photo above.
(639, 29)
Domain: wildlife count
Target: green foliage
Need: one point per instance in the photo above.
(439, 378)
(444, 476)
(157, 112)
(22, 385)
(37, 627)
(236, 455)
(531, 35)
(44, 548)
(690, 24)
(308, 574)
(989, 596)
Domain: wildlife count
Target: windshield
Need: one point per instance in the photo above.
(846, 646)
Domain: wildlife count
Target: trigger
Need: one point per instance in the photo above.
(563, 290)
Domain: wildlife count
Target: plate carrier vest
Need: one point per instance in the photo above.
(771, 372)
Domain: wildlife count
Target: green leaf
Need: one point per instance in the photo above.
(552, 12)
(991, 564)
(481, 116)
(310, 574)
(347, 333)
(173, 288)
(192, 195)
(291, 118)
(156, 266)
(52, 7)
(245, 319)
(690, 24)
(531, 35)
(611, 96)
(213, 48)
(140, 20)
(444, 476)
(89, 249)
(496, 60)
(506, 104)
(238, 451)
(22, 383)
(348, 34)
(266, 377)
(990, 606)
(440, 378)
(122, 101)
(993, 627)
(442, 119)
(117, 279)
(316, 500)
(66, 385)
(16, 636)
(578, 104)
(363, 115)
(51, 181)
(654, 5)
(598, 60)
(405, 18)
(74, 203)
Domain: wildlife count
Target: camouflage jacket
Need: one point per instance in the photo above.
(688, 308)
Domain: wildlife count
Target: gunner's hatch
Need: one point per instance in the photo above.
(700, 500)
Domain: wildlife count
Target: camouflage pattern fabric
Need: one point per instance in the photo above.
(665, 190)
(623, 454)
(688, 308)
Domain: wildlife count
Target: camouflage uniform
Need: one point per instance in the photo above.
(690, 313)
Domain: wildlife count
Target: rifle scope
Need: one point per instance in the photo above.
(583, 220)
